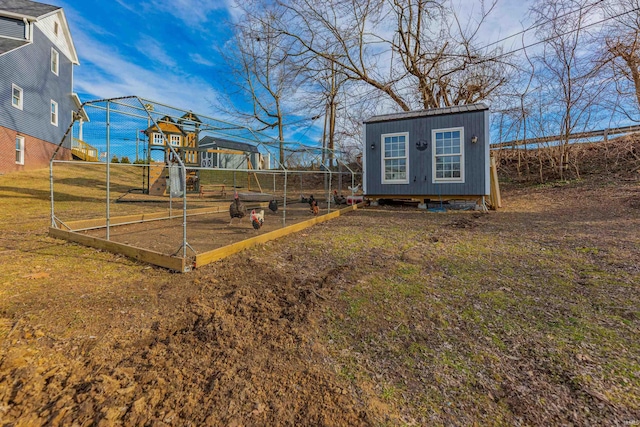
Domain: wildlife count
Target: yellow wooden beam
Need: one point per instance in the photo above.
(432, 197)
(151, 257)
(221, 151)
(118, 220)
(250, 166)
(220, 253)
(495, 198)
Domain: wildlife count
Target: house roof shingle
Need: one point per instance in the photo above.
(430, 112)
(9, 44)
(26, 8)
(228, 144)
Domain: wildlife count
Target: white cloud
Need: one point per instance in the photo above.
(132, 64)
(155, 51)
(192, 12)
(106, 74)
(199, 59)
(127, 5)
(507, 18)
(234, 10)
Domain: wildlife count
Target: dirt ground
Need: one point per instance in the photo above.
(209, 231)
(387, 316)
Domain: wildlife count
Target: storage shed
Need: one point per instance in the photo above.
(227, 154)
(428, 155)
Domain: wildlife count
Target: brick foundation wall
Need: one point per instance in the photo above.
(37, 153)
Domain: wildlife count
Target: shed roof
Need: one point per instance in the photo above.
(9, 44)
(167, 124)
(189, 117)
(430, 112)
(226, 143)
(25, 8)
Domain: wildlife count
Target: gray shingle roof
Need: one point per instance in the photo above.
(430, 112)
(9, 44)
(228, 144)
(26, 8)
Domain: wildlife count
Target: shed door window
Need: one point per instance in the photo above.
(395, 158)
(448, 155)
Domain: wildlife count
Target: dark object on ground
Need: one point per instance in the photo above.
(236, 208)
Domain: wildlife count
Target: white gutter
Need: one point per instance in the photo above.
(17, 15)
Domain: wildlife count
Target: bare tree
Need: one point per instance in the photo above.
(621, 42)
(567, 77)
(416, 52)
(443, 59)
(401, 54)
(265, 73)
(324, 84)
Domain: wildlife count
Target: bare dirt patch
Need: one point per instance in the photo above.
(208, 231)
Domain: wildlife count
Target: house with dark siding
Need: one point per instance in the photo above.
(37, 56)
(428, 155)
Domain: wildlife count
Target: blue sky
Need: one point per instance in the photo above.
(168, 50)
(161, 50)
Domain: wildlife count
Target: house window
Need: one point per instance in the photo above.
(56, 28)
(157, 139)
(20, 150)
(54, 113)
(448, 155)
(174, 140)
(55, 61)
(395, 159)
(16, 96)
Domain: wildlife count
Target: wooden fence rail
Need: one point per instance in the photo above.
(591, 134)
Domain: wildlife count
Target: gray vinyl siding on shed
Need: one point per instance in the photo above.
(29, 67)
(11, 28)
(420, 163)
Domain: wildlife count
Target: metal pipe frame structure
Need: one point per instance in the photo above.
(140, 111)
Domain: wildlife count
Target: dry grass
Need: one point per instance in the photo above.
(619, 156)
(387, 316)
(516, 317)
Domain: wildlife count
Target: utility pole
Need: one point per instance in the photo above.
(324, 134)
(332, 114)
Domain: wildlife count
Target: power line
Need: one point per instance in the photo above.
(461, 55)
(541, 24)
(554, 37)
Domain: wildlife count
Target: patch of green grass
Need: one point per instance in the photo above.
(588, 250)
(388, 393)
(497, 299)
(355, 307)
